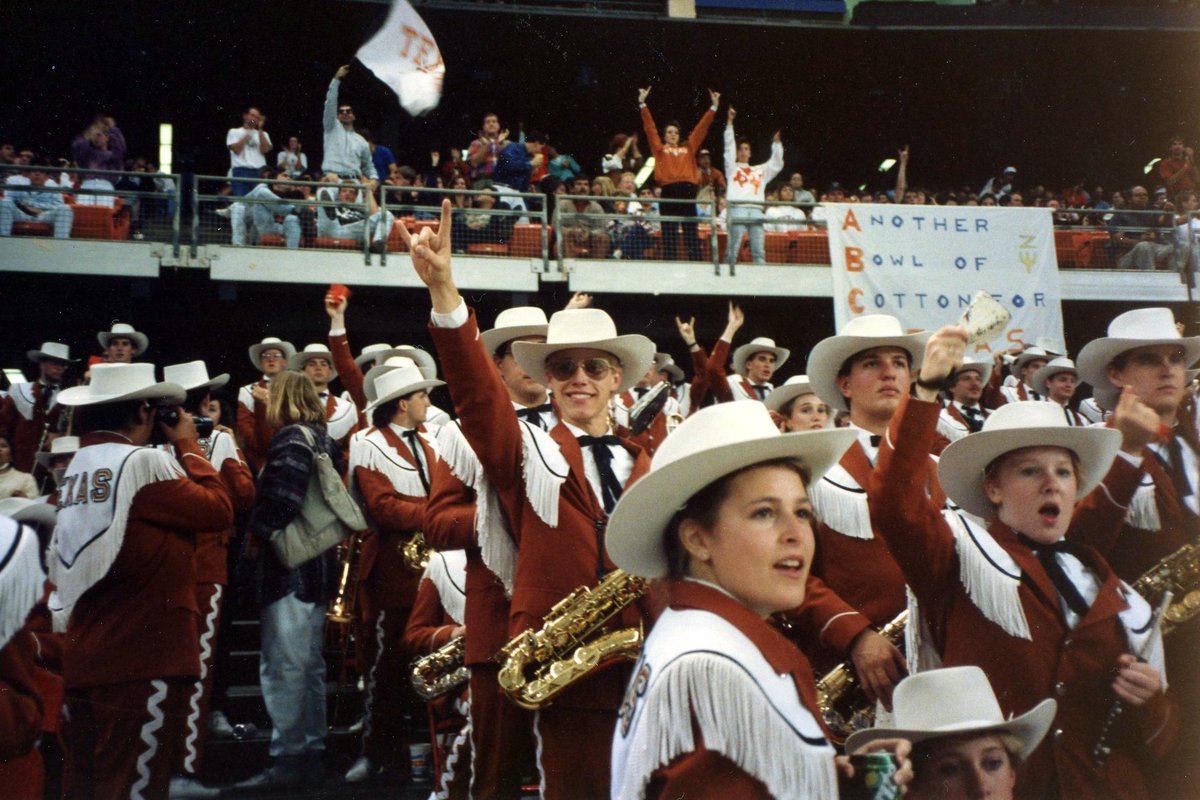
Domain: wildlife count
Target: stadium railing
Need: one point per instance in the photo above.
(631, 228)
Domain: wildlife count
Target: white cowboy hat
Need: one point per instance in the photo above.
(984, 368)
(663, 362)
(271, 342)
(193, 375)
(23, 509)
(377, 353)
(1029, 423)
(861, 333)
(394, 362)
(61, 446)
(588, 328)
(761, 344)
(953, 701)
(300, 358)
(1027, 355)
(1053, 367)
(53, 350)
(793, 387)
(1142, 327)
(114, 382)
(1050, 345)
(121, 330)
(422, 358)
(398, 382)
(710, 444)
(514, 323)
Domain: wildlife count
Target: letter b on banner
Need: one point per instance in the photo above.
(854, 259)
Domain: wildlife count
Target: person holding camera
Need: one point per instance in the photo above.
(123, 563)
(248, 147)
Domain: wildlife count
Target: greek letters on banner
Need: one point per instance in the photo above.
(404, 55)
(922, 265)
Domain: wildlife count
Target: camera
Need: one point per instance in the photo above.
(170, 417)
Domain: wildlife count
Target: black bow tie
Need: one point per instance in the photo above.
(609, 484)
(974, 418)
(640, 392)
(534, 414)
(1046, 556)
(762, 390)
(876, 440)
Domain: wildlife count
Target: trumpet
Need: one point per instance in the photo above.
(440, 671)
(416, 552)
(341, 610)
(572, 642)
(840, 696)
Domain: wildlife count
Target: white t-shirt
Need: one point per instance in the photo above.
(250, 156)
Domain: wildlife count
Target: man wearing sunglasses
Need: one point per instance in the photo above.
(556, 488)
(271, 356)
(346, 153)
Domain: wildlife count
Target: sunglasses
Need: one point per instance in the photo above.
(565, 369)
(270, 356)
(345, 110)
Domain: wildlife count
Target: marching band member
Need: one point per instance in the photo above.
(1022, 369)
(438, 616)
(556, 488)
(754, 364)
(390, 469)
(212, 562)
(1041, 617)
(457, 517)
(1145, 350)
(707, 372)
(341, 416)
(271, 356)
(963, 413)
(963, 745)
(795, 406)
(30, 411)
(720, 704)
(1056, 383)
(121, 343)
(123, 564)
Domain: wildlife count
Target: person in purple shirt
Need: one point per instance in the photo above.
(101, 146)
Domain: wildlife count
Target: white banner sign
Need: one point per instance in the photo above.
(923, 264)
(404, 55)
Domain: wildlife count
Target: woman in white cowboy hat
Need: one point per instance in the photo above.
(795, 406)
(720, 703)
(1041, 616)
(271, 356)
(963, 745)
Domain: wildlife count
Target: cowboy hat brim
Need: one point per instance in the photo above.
(492, 339)
(1097, 354)
(781, 395)
(21, 509)
(828, 356)
(1043, 376)
(634, 351)
(1029, 728)
(425, 385)
(378, 356)
(298, 360)
(140, 340)
(288, 349)
(638, 524)
(172, 393)
(961, 466)
(37, 355)
(743, 352)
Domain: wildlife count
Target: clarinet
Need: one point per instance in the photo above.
(1102, 749)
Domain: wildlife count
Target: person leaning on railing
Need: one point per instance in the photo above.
(36, 206)
(1140, 249)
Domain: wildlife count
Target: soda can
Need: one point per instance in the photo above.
(420, 758)
(872, 777)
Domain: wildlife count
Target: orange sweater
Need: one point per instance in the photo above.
(676, 163)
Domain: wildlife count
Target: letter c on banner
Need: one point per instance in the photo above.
(852, 301)
(854, 260)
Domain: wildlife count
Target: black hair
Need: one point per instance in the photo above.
(382, 415)
(536, 136)
(108, 416)
(195, 400)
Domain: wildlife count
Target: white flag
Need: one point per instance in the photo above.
(404, 55)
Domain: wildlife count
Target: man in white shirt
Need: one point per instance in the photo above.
(745, 192)
(248, 147)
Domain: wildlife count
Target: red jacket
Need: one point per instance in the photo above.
(24, 434)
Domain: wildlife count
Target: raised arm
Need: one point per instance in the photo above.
(648, 121)
(730, 142)
(339, 345)
(774, 164)
(329, 117)
(716, 363)
(698, 134)
(902, 175)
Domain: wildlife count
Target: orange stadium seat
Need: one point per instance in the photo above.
(811, 247)
(100, 222)
(487, 249)
(778, 246)
(526, 240)
(1064, 245)
(1091, 250)
(335, 243)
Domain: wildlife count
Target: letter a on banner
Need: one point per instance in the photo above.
(404, 55)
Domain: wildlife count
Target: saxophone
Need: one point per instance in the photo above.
(416, 552)
(843, 703)
(440, 671)
(1178, 573)
(341, 609)
(572, 642)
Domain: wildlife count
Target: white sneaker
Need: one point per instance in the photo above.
(222, 212)
(360, 770)
(218, 725)
(185, 787)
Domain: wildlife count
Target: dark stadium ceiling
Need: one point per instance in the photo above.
(1108, 15)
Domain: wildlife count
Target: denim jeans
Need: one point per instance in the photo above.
(745, 219)
(292, 672)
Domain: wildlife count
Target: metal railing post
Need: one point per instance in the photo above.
(195, 249)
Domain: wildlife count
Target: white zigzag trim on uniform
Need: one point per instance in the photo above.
(206, 640)
(150, 738)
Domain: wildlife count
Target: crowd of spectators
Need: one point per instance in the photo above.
(619, 197)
